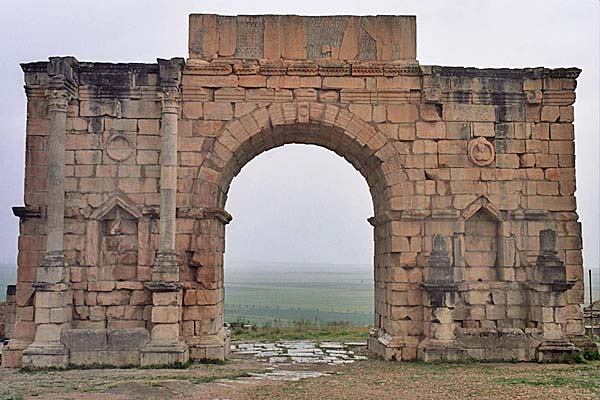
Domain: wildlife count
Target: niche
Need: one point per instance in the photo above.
(481, 246)
(118, 245)
(115, 227)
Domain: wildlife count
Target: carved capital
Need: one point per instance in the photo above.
(533, 96)
(58, 100)
(169, 99)
(432, 95)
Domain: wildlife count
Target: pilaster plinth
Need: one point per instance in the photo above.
(166, 267)
(53, 314)
(166, 346)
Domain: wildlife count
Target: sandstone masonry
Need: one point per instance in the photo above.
(471, 171)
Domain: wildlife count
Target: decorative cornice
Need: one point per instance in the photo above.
(205, 68)
(162, 287)
(27, 212)
(303, 70)
(530, 215)
(205, 213)
(505, 73)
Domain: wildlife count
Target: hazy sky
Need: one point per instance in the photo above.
(303, 203)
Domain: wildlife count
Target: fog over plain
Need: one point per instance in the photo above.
(301, 203)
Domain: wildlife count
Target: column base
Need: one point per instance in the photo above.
(45, 355)
(584, 343)
(213, 347)
(12, 356)
(555, 351)
(165, 353)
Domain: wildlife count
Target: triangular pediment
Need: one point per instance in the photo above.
(119, 200)
(482, 203)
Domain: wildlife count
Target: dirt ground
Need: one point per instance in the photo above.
(246, 378)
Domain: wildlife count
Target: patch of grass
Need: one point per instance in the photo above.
(101, 366)
(10, 396)
(29, 370)
(212, 378)
(293, 388)
(213, 361)
(575, 358)
(591, 355)
(177, 365)
(305, 331)
(434, 366)
(586, 381)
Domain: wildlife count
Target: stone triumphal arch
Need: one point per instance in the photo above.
(471, 171)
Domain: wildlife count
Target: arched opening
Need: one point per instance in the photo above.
(380, 162)
(299, 250)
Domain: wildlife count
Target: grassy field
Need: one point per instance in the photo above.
(366, 380)
(333, 331)
(276, 294)
(8, 276)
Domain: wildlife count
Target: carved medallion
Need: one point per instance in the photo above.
(303, 113)
(119, 148)
(481, 152)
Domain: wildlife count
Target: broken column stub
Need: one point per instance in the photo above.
(441, 290)
(441, 273)
(549, 268)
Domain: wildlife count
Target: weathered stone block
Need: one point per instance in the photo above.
(402, 113)
(127, 340)
(469, 112)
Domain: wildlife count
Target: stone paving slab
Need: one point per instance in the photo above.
(285, 352)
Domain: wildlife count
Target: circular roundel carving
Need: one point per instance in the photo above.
(119, 148)
(481, 152)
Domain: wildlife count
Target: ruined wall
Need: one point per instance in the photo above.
(8, 311)
(481, 159)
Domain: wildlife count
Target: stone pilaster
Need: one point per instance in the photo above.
(166, 346)
(53, 300)
(206, 334)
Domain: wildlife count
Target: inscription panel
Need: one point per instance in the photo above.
(250, 37)
(324, 31)
(372, 38)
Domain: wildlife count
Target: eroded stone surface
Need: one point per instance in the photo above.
(482, 158)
